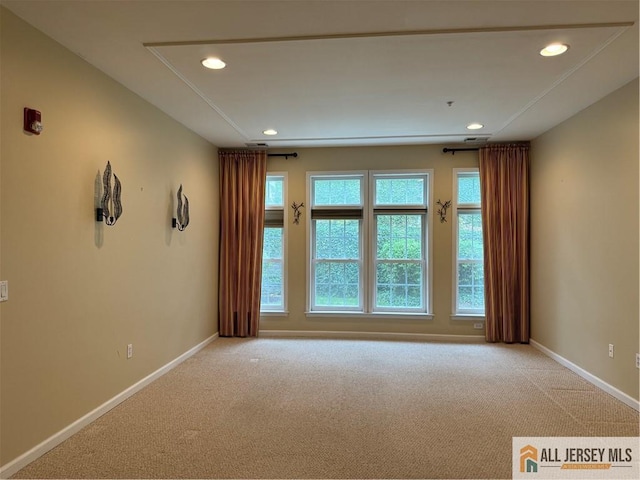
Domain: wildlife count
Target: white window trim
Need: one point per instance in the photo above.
(369, 315)
(427, 251)
(460, 314)
(468, 316)
(363, 240)
(368, 286)
(273, 313)
(285, 255)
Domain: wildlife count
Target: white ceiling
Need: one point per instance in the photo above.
(362, 72)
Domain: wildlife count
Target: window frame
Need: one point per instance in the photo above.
(382, 209)
(283, 308)
(367, 245)
(457, 208)
(311, 228)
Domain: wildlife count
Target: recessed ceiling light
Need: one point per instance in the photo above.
(474, 126)
(270, 131)
(213, 63)
(554, 49)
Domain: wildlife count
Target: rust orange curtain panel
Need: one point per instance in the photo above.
(243, 176)
(504, 186)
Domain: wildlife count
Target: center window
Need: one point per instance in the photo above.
(369, 248)
(400, 214)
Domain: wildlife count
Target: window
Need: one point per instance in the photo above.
(355, 269)
(337, 258)
(400, 220)
(273, 296)
(469, 260)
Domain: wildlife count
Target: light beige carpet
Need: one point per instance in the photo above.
(301, 408)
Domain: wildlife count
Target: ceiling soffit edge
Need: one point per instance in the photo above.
(400, 33)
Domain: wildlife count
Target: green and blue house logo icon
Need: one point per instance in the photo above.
(529, 459)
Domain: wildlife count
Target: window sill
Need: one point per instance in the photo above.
(273, 313)
(370, 315)
(468, 316)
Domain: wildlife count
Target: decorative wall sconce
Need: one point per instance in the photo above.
(32, 121)
(296, 212)
(443, 210)
(182, 212)
(110, 208)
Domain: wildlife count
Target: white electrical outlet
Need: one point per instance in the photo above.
(637, 360)
(130, 350)
(478, 326)
(611, 350)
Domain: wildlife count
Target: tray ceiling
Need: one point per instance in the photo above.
(326, 81)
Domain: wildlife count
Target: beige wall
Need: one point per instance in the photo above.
(584, 239)
(372, 158)
(79, 291)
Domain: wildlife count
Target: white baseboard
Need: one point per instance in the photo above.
(589, 377)
(56, 439)
(423, 337)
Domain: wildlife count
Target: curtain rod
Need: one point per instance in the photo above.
(285, 155)
(454, 150)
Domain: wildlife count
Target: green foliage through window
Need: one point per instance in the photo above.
(337, 239)
(274, 192)
(468, 188)
(400, 191)
(399, 284)
(272, 269)
(399, 257)
(469, 246)
(399, 236)
(469, 235)
(337, 284)
(337, 191)
(272, 296)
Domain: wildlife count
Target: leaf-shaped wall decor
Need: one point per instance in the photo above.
(185, 213)
(111, 198)
(179, 209)
(106, 188)
(182, 211)
(117, 198)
